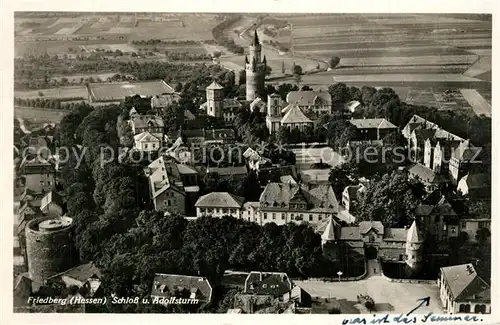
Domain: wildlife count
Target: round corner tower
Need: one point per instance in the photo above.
(49, 247)
(414, 247)
(255, 67)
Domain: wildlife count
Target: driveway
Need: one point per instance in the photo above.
(389, 297)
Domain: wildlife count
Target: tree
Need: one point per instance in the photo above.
(333, 62)
(392, 200)
(178, 87)
(482, 235)
(297, 70)
(306, 88)
(339, 93)
(342, 176)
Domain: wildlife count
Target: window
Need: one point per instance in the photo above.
(283, 216)
(145, 146)
(233, 211)
(265, 215)
(310, 217)
(169, 203)
(224, 210)
(154, 145)
(218, 210)
(320, 218)
(274, 216)
(464, 225)
(292, 215)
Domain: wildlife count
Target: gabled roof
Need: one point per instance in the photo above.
(435, 205)
(81, 272)
(372, 123)
(352, 105)
(413, 235)
(320, 198)
(220, 200)
(225, 171)
(267, 283)
(465, 151)
(186, 170)
(215, 86)
(366, 226)
(258, 103)
(145, 137)
(309, 97)
(350, 233)
(182, 286)
(294, 115)
(425, 175)
(329, 233)
(51, 197)
(163, 101)
(465, 283)
(143, 121)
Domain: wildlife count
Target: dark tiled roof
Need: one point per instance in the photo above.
(365, 226)
(82, 272)
(319, 197)
(395, 234)
(425, 175)
(465, 283)
(267, 283)
(143, 121)
(225, 171)
(309, 97)
(181, 286)
(372, 123)
(350, 233)
(163, 101)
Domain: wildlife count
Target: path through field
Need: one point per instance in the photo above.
(478, 103)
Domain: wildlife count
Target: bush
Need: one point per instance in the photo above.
(334, 62)
(334, 311)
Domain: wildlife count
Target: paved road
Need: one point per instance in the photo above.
(390, 297)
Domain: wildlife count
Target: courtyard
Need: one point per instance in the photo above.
(389, 297)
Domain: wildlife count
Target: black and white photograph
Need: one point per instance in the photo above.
(253, 163)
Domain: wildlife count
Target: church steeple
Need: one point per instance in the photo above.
(255, 38)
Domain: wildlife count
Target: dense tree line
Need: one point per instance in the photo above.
(165, 42)
(53, 103)
(38, 72)
(221, 39)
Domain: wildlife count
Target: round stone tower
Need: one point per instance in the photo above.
(414, 247)
(255, 68)
(49, 247)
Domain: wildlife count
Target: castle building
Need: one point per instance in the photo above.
(218, 106)
(255, 67)
(371, 238)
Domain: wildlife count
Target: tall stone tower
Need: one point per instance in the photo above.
(273, 117)
(414, 247)
(215, 99)
(255, 67)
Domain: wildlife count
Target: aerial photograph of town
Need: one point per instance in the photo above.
(253, 163)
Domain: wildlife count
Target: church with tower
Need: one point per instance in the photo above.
(289, 114)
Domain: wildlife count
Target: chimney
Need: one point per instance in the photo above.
(260, 276)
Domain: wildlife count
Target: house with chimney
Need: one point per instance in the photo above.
(86, 277)
(462, 290)
(195, 288)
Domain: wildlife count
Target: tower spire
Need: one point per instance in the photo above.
(246, 59)
(255, 37)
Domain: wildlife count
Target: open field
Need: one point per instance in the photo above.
(478, 103)
(115, 28)
(39, 115)
(61, 92)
